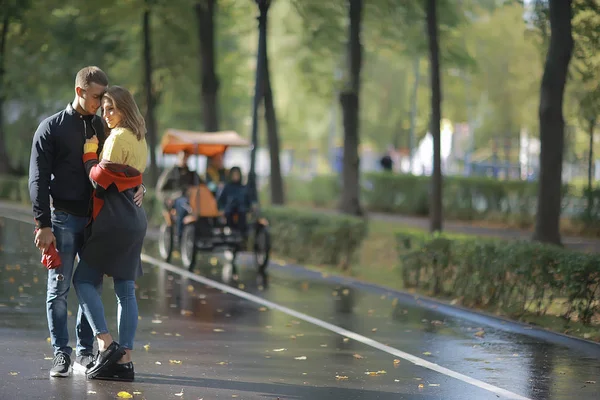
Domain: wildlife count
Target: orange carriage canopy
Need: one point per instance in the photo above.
(200, 143)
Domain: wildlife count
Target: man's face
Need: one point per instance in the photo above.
(90, 99)
(183, 159)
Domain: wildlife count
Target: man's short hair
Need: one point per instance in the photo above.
(89, 75)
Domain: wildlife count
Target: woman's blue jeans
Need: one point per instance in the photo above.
(85, 281)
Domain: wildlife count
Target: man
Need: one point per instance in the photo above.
(56, 170)
(216, 174)
(172, 187)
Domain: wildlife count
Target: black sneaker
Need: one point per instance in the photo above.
(83, 362)
(118, 372)
(61, 365)
(104, 359)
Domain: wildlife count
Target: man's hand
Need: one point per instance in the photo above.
(139, 196)
(43, 238)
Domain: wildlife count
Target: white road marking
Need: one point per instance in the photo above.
(333, 328)
(325, 325)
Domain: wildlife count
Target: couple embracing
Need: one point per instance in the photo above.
(85, 184)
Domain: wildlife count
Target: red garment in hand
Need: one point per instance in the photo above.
(51, 258)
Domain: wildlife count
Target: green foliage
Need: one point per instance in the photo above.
(505, 275)
(465, 198)
(312, 237)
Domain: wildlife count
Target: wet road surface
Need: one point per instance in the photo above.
(197, 342)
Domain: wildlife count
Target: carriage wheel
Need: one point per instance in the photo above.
(262, 247)
(188, 247)
(165, 242)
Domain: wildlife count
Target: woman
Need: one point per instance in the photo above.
(116, 232)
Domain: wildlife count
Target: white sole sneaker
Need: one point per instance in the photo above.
(61, 374)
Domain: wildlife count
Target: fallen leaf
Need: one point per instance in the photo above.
(218, 330)
(434, 384)
(214, 261)
(124, 395)
(421, 386)
(13, 373)
(374, 330)
(437, 322)
(168, 334)
(158, 363)
(334, 293)
(156, 321)
(323, 345)
(175, 361)
(480, 334)
(137, 392)
(241, 286)
(396, 362)
(262, 309)
(179, 394)
(178, 335)
(341, 378)
(147, 346)
(11, 280)
(278, 350)
(186, 313)
(48, 358)
(48, 340)
(591, 382)
(153, 333)
(395, 302)
(427, 353)
(345, 292)
(301, 358)
(190, 288)
(358, 356)
(91, 392)
(222, 363)
(346, 340)
(35, 279)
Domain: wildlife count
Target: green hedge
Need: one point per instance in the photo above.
(14, 188)
(314, 237)
(507, 275)
(465, 198)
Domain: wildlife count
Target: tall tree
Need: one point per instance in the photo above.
(149, 89)
(435, 209)
(552, 124)
(349, 100)
(205, 15)
(276, 181)
(4, 163)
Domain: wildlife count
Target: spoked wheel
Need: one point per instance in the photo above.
(165, 242)
(188, 247)
(262, 248)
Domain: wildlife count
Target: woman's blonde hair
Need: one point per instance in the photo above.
(123, 102)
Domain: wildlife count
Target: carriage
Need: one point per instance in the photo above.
(205, 229)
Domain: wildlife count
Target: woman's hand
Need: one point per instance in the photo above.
(93, 139)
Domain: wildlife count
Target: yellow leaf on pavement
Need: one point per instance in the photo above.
(124, 395)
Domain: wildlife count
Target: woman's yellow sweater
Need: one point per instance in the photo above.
(122, 147)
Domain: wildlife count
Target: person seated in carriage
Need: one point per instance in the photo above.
(172, 188)
(216, 174)
(234, 201)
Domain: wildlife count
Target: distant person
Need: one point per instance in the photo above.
(216, 174)
(234, 200)
(113, 246)
(172, 187)
(56, 170)
(386, 162)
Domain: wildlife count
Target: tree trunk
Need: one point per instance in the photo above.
(349, 99)
(591, 165)
(413, 112)
(4, 162)
(435, 212)
(276, 181)
(552, 125)
(150, 100)
(263, 7)
(205, 10)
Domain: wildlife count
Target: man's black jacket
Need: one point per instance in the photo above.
(56, 164)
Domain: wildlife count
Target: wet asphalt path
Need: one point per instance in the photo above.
(202, 343)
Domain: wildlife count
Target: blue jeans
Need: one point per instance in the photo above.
(181, 205)
(86, 280)
(68, 230)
